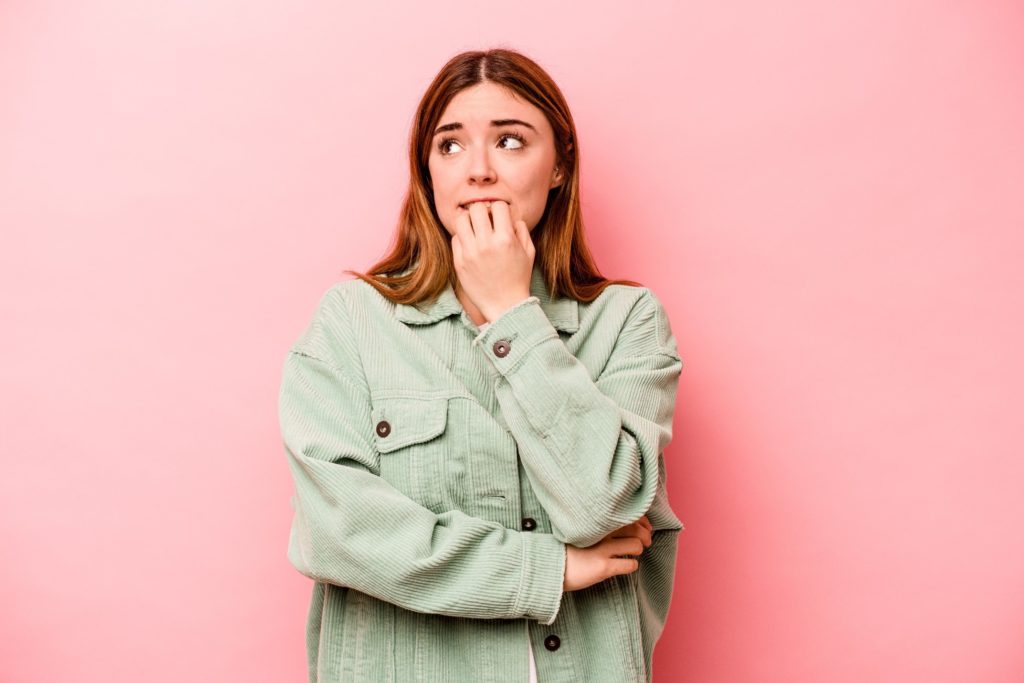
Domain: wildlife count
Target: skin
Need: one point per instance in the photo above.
(587, 566)
(493, 251)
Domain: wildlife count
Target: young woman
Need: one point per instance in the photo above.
(475, 427)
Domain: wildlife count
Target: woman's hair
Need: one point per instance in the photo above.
(422, 246)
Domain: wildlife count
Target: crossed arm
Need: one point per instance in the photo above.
(591, 450)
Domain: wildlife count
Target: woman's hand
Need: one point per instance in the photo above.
(587, 566)
(493, 257)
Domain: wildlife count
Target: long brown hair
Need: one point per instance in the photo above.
(422, 246)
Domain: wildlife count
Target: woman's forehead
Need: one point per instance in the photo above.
(487, 104)
(486, 96)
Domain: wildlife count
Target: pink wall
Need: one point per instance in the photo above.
(827, 198)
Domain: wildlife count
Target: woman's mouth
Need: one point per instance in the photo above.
(475, 201)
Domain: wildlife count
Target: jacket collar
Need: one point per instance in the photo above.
(563, 313)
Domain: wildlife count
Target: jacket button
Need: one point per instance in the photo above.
(383, 428)
(502, 347)
(529, 524)
(552, 642)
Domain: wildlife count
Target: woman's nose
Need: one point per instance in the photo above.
(480, 168)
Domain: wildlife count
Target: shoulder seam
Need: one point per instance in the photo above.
(660, 331)
(336, 290)
(341, 373)
(348, 320)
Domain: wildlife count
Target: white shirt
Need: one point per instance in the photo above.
(529, 645)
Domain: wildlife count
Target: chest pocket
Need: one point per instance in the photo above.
(410, 434)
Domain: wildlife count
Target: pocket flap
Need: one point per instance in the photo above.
(399, 421)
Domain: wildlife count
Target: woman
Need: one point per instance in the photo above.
(475, 427)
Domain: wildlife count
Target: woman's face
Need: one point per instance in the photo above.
(489, 144)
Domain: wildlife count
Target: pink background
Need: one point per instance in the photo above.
(828, 199)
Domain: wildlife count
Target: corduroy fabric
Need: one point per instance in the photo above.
(417, 449)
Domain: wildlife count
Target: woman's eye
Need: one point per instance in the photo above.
(443, 146)
(511, 136)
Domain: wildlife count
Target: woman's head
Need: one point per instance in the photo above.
(492, 144)
(457, 153)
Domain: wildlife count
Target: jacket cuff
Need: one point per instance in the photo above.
(540, 589)
(520, 328)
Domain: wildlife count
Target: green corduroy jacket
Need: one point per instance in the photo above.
(440, 470)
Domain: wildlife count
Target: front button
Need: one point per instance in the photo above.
(529, 524)
(502, 347)
(552, 642)
(383, 428)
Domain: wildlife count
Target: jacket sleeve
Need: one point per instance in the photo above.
(352, 528)
(592, 449)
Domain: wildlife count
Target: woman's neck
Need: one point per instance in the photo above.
(472, 311)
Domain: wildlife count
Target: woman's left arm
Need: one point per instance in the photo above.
(590, 448)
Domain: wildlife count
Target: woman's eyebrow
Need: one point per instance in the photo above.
(494, 124)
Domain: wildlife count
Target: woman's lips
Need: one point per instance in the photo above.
(486, 201)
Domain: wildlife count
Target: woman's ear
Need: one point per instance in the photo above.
(556, 177)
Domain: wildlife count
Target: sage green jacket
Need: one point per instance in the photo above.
(439, 471)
